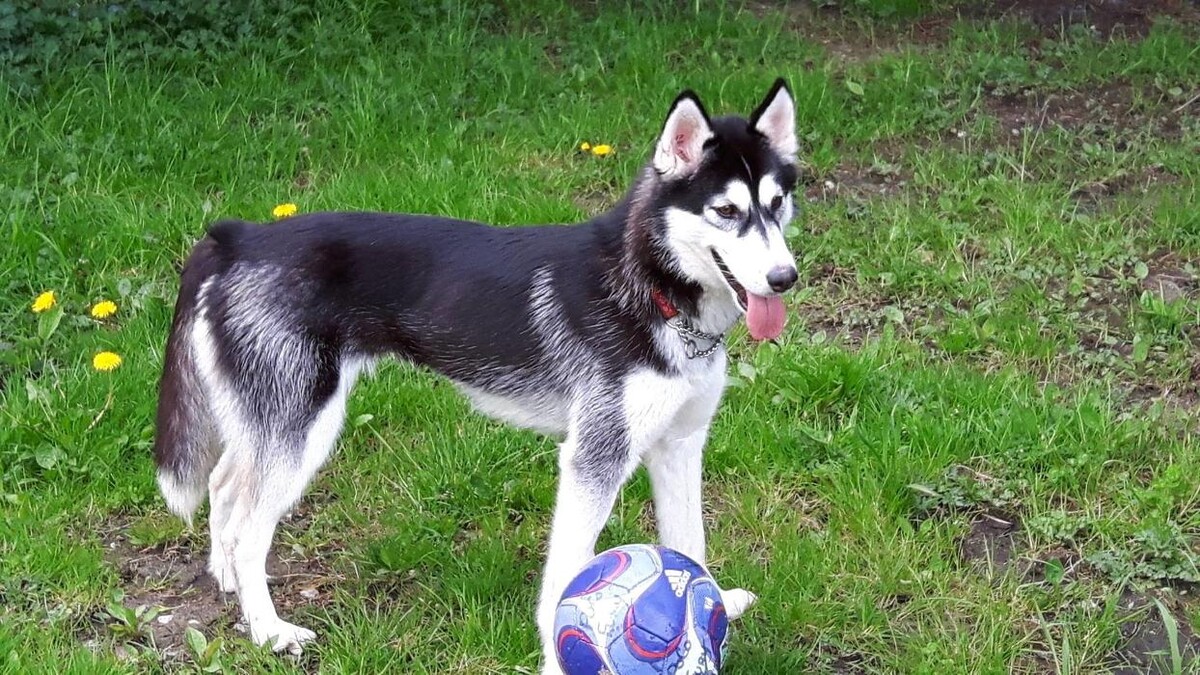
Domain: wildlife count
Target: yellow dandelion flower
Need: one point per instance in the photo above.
(44, 302)
(585, 146)
(284, 210)
(104, 309)
(602, 150)
(106, 361)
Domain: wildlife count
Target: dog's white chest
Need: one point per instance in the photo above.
(673, 405)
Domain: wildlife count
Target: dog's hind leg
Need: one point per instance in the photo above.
(223, 491)
(268, 481)
(271, 490)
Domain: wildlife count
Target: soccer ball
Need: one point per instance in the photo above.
(641, 610)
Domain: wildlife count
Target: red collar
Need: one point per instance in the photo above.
(665, 306)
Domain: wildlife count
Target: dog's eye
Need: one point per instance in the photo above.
(726, 210)
(776, 202)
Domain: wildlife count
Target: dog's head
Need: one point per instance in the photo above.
(725, 194)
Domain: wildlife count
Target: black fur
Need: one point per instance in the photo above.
(450, 295)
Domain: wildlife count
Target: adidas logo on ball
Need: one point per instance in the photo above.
(679, 581)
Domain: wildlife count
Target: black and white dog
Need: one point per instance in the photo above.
(607, 333)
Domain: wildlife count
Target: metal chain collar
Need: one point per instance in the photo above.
(689, 334)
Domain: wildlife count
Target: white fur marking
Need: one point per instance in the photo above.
(768, 190)
(672, 414)
(542, 410)
(738, 194)
(548, 417)
(749, 258)
(671, 407)
(280, 488)
(737, 601)
(675, 468)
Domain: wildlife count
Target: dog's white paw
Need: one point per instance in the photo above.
(737, 601)
(551, 667)
(281, 636)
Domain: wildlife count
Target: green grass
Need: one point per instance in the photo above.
(987, 332)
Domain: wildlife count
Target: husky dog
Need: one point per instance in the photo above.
(608, 334)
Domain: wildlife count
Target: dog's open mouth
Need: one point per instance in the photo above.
(765, 314)
(738, 289)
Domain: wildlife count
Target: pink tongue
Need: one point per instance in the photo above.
(765, 316)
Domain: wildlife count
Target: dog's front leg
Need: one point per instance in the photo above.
(593, 464)
(676, 477)
(675, 469)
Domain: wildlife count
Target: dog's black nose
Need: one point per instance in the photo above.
(782, 278)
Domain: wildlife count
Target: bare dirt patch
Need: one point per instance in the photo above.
(1109, 18)
(1171, 276)
(993, 546)
(1092, 195)
(1147, 642)
(991, 542)
(1112, 111)
(1106, 313)
(172, 576)
(1107, 327)
(595, 201)
(845, 40)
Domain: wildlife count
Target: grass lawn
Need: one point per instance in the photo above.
(973, 450)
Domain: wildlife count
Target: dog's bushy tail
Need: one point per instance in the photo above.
(186, 446)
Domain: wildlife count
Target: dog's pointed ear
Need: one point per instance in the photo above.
(775, 119)
(681, 145)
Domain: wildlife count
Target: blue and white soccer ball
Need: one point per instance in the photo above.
(641, 610)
